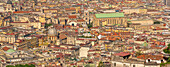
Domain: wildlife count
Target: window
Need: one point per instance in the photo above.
(124, 65)
(114, 64)
(148, 60)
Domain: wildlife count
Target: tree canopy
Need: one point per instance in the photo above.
(21, 65)
(167, 50)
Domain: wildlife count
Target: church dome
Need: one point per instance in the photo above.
(9, 2)
(52, 31)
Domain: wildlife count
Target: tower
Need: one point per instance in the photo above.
(41, 41)
(87, 16)
(167, 2)
(9, 6)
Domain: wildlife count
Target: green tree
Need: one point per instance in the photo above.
(90, 25)
(168, 45)
(138, 53)
(26, 65)
(10, 66)
(156, 22)
(47, 25)
(19, 65)
(167, 50)
(100, 64)
(32, 65)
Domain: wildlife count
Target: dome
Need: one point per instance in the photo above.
(52, 31)
(145, 44)
(9, 2)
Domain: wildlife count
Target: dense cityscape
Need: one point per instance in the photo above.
(84, 33)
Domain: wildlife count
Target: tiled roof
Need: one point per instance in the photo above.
(80, 20)
(68, 9)
(19, 22)
(153, 57)
(72, 16)
(10, 34)
(22, 12)
(5, 48)
(122, 54)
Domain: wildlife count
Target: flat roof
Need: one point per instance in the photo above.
(109, 15)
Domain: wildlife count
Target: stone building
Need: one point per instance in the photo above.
(109, 19)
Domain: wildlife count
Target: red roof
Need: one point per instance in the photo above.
(10, 34)
(5, 27)
(22, 12)
(69, 9)
(19, 22)
(153, 57)
(80, 4)
(72, 16)
(122, 54)
(81, 20)
(5, 48)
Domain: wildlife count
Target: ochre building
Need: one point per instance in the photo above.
(109, 19)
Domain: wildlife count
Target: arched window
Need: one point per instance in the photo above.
(114, 64)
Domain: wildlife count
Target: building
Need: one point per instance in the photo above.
(52, 35)
(143, 25)
(29, 43)
(129, 11)
(9, 37)
(26, 24)
(167, 2)
(9, 6)
(109, 19)
(83, 52)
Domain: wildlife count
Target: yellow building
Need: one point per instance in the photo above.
(30, 43)
(129, 11)
(50, 10)
(109, 19)
(9, 37)
(26, 24)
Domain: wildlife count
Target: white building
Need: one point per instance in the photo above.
(83, 52)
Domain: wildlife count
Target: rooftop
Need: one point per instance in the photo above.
(109, 15)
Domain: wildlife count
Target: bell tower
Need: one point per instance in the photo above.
(9, 6)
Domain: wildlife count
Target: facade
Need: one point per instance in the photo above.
(26, 24)
(10, 38)
(50, 10)
(30, 43)
(109, 19)
(9, 6)
(167, 2)
(83, 52)
(129, 11)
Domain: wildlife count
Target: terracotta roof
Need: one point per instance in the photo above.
(62, 36)
(22, 12)
(50, 9)
(10, 34)
(80, 20)
(153, 57)
(5, 27)
(19, 22)
(69, 9)
(122, 54)
(5, 48)
(72, 16)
